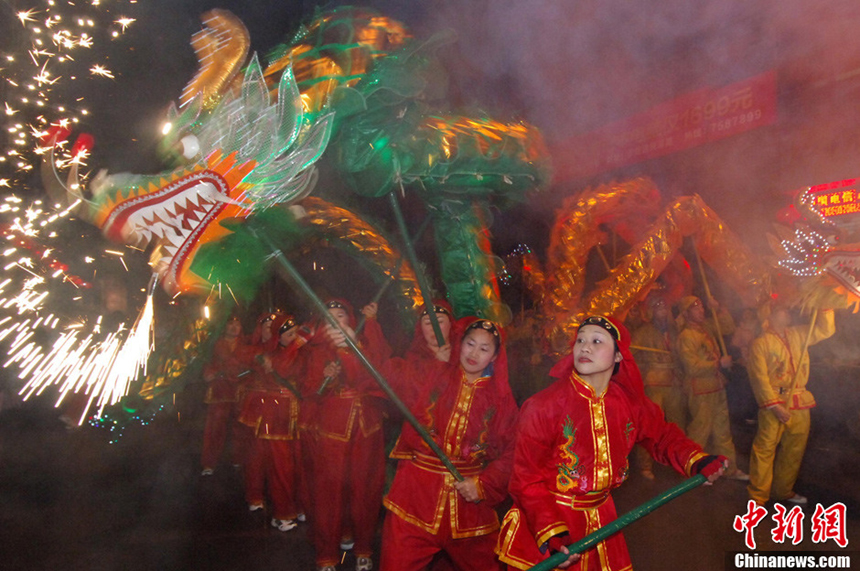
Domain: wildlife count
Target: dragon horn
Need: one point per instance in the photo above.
(221, 48)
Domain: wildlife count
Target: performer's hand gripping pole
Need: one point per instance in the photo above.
(614, 527)
(378, 296)
(413, 259)
(394, 273)
(380, 380)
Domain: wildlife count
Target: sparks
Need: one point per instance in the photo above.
(124, 22)
(102, 71)
(27, 16)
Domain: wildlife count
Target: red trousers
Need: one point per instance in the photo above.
(219, 422)
(273, 462)
(406, 547)
(348, 478)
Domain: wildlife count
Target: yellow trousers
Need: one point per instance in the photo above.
(710, 427)
(777, 451)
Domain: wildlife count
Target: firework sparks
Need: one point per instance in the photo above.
(103, 369)
(43, 87)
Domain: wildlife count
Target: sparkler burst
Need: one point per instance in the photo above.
(65, 45)
(66, 348)
(49, 326)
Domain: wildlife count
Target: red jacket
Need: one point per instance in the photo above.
(473, 423)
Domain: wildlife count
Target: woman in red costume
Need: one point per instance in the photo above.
(424, 343)
(467, 406)
(572, 444)
(231, 359)
(346, 444)
(271, 410)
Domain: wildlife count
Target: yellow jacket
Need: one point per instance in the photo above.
(774, 359)
(700, 358)
(658, 369)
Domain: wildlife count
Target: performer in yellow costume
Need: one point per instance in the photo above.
(779, 370)
(704, 383)
(660, 368)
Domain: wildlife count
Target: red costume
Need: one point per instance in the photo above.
(231, 360)
(344, 437)
(473, 423)
(571, 452)
(271, 410)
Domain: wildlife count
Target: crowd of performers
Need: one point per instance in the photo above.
(308, 421)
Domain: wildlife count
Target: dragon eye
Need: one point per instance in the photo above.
(190, 146)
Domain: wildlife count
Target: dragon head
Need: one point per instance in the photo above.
(247, 154)
(824, 245)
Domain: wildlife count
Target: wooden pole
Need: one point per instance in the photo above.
(720, 339)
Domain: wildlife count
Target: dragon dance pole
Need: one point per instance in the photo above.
(394, 275)
(380, 380)
(708, 294)
(614, 527)
(413, 259)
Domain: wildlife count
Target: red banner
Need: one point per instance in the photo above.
(688, 121)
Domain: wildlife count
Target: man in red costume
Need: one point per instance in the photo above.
(231, 359)
(572, 447)
(467, 406)
(271, 410)
(346, 449)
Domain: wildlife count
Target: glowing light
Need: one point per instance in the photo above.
(102, 71)
(124, 22)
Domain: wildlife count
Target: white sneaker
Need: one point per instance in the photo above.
(255, 507)
(797, 499)
(327, 568)
(207, 472)
(302, 518)
(347, 544)
(363, 564)
(284, 524)
(739, 475)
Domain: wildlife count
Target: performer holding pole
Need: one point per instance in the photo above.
(467, 403)
(573, 440)
(779, 370)
(380, 380)
(705, 384)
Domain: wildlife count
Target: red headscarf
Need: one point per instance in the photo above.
(282, 319)
(418, 348)
(319, 325)
(628, 375)
(257, 335)
(499, 367)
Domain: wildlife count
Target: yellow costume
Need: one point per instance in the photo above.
(661, 373)
(773, 361)
(704, 385)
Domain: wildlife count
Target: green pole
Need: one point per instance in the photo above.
(614, 527)
(380, 380)
(394, 274)
(413, 259)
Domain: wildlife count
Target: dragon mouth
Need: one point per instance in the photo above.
(845, 268)
(173, 218)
